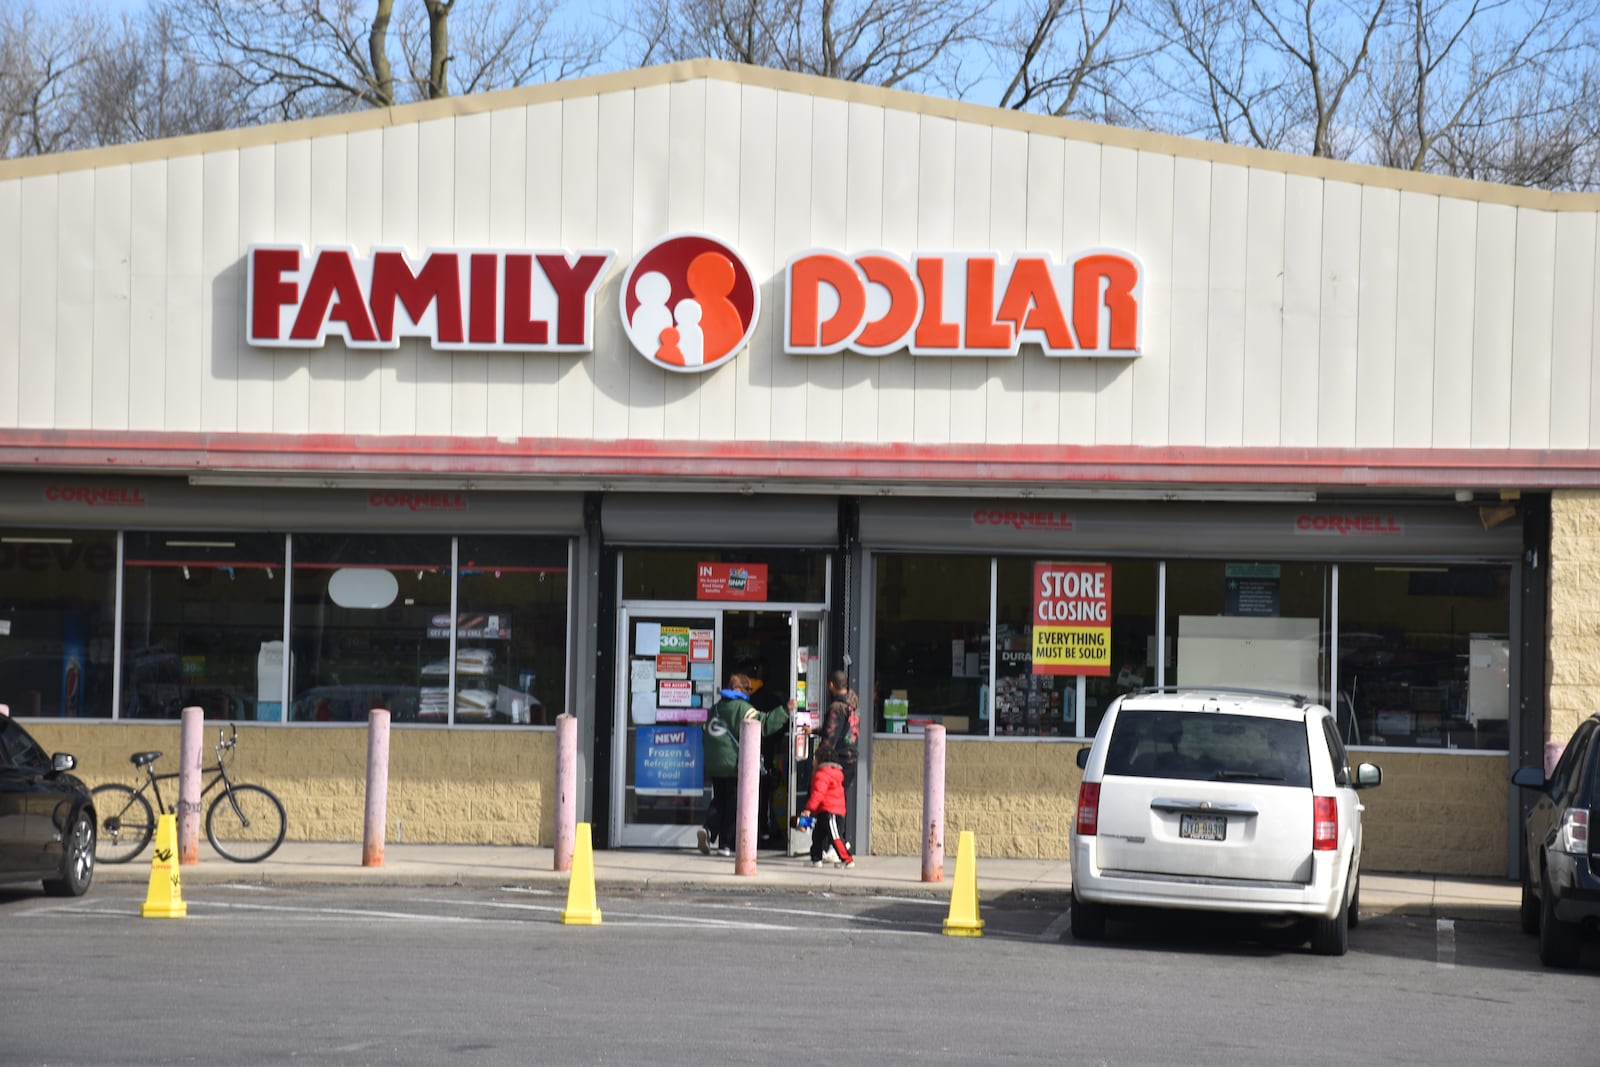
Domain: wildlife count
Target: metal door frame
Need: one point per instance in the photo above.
(624, 834)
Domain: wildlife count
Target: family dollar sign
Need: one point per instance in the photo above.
(1071, 618)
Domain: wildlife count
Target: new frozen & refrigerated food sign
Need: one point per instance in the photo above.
(689, 302)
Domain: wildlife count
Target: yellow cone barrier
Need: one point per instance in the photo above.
(963, 919)
(165, 898)
(581, 909)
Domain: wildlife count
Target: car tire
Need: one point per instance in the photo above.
(1331, 937)
(1560, 943)
(77, 860)
(1088, 920)
(1528, 910)
(1355, 904)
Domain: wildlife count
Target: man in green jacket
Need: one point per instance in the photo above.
(722, 758)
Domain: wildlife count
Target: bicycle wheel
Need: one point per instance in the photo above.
(126, 823)
(245, 824)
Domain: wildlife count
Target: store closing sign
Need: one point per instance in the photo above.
(1072, 618)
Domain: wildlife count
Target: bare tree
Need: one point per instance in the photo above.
(1272, 73)
(1504, 90)
(480, 47)
(913, 44)
(140, 83)
(39, 62)
(1072, 58)
(1501, 90)
(296, 58)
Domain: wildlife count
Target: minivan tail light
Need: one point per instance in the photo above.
(1088, 808)
(1574, 835)
(1324, 823)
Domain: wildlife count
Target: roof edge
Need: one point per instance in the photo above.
(1287, 163)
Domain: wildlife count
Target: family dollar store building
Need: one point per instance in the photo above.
(572, 399)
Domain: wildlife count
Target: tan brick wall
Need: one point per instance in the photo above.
(1018, 798)
(1441, 814)
(445, 786)
(1574, 671)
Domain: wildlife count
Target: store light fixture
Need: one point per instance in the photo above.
(37, 540)
(201, 544)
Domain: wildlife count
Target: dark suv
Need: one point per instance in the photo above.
(46, 816)
(1561, 858)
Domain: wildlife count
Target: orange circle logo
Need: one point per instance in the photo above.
(689, 303)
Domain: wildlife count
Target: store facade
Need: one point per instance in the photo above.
(576, 399)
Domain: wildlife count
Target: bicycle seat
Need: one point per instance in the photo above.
(139, 759)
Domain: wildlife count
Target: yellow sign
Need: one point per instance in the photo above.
(1071, 618)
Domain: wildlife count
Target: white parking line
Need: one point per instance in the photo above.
(350, 913)
(1057, 927)
(1446, 938)
(638, 918)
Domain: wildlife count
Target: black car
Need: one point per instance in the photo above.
(46, 816)
(1561, 858)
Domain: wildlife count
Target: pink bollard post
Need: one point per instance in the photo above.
(189, 742)
(377, 818)
(744, 852)
(1552, 756)
(566, 789)
(933, 804)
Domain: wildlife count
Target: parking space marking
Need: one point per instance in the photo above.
(640, 918)
(1446, 939)
(1057, 927)
(346, 913)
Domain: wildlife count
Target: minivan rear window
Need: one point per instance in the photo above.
(1209, 746)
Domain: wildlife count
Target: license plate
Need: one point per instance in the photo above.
(1203, 827)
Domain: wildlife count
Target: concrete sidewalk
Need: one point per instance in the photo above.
(659, 870)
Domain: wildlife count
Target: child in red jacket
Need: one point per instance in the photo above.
(825, 803)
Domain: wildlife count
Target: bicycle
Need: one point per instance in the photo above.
(245, 823)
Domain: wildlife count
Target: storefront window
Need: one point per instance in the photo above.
(930, 654)
(1045, 705)
(1424, 655)
(360, 626)
(1249, 624)
(57, 589)
(202, 625)
(786, 576)
(511, 640)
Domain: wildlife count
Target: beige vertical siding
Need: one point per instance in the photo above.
(1283, 307)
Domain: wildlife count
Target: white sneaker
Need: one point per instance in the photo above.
(724, 851)
(818, 863)
(703, 841)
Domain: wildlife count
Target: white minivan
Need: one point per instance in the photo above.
(1219, 800)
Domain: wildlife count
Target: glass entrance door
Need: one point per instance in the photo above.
(667, 681)
(809, 685)
(676, 659)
